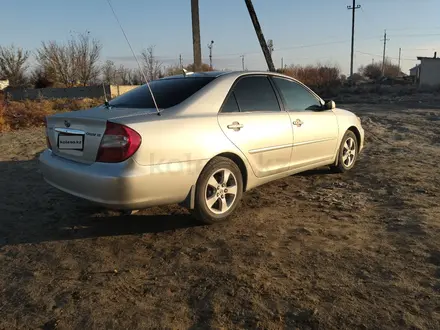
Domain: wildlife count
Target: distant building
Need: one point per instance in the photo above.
(4, 84)
(428, 71)
(414, 72)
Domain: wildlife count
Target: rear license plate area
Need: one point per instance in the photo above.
(70, 141)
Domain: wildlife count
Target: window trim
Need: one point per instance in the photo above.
(231, 90)
(308, 89)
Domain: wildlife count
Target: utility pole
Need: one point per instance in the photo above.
(260, 35)
(384, 51)
(282, 63)
(210, 53)
(400, 53)
(180, 61)
(353, 9)
(242, 61)
(197, 51)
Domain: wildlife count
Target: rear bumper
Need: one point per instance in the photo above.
(124, 186)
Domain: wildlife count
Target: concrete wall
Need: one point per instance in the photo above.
(430, 72)
(116, 90)
(70, 93)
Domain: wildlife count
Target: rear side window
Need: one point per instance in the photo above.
(168, 93)
(256, 94)
(231, 104)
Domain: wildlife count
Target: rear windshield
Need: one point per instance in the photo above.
(168, 93)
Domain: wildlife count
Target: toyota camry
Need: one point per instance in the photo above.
(197, 139)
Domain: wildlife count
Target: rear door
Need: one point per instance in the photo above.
(252, 119)
(315, 130)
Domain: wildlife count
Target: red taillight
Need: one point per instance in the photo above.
(49, 146)
(118, 143)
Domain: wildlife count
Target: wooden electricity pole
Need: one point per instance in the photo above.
(384, 52)
(260, 35)
(353, 9)
(197, 50)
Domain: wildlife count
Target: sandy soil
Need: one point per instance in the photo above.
(312, 251)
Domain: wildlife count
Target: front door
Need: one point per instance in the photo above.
(252, 119)
(315, 130)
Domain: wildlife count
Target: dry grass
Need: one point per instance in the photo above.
(24, 114)
(315, 76)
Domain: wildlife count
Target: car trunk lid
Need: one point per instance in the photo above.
(77, 135)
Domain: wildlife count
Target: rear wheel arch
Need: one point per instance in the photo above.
(240, 163)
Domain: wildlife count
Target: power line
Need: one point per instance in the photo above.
(380, 56)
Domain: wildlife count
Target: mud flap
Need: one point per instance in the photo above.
(190, 199)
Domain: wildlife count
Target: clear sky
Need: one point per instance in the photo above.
(304, 32)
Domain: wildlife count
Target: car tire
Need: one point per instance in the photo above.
(347, 154)
(218, 192)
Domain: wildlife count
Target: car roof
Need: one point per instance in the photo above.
(216, 74)
(213, 74)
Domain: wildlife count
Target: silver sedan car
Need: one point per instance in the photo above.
(216, 135)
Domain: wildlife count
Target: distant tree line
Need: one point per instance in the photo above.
(77, 63)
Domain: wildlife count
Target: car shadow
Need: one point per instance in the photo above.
(319, 171)
(31, 211)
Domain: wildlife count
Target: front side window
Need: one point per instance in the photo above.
(167, 92)
(296, 97)
(256, 94)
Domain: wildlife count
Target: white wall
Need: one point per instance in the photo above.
(430, 72)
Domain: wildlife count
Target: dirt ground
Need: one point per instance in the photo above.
(312, 251)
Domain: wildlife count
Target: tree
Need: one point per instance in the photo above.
(73, 63)
(109, 73)
(173, 70)
(205, 67)
(124, 75)
(136, 77)
(41, 79)
(152, 67)
(13, 65)
(87, 52)
(374, 70)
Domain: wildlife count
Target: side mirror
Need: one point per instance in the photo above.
(329, 105)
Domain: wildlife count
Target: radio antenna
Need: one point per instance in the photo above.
(135, 57)
(107, 105)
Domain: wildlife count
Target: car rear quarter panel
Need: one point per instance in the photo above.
(193, 140)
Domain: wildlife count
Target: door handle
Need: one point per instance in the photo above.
(298, 123)
(236, 126)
